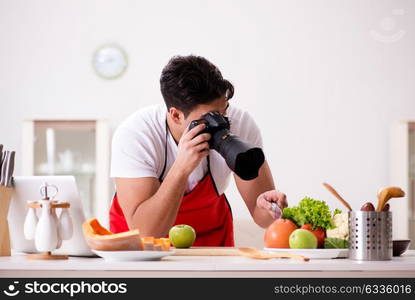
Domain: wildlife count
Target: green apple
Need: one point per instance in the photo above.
(302, 239)
(182, 236)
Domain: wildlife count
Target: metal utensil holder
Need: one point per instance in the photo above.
(370, 235)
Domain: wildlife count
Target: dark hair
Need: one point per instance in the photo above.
(187, 81)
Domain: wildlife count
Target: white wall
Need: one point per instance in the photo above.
(323, 89)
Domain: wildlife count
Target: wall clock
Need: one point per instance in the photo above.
(110, 61)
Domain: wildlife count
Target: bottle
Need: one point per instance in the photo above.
(65, 224)
(30, 223)
(46, 237)
(58, 229)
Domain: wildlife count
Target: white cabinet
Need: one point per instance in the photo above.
(72, 147)
(402, 174)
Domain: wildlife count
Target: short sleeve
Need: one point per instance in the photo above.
(253, 133)
(133, 155)
(245, 127)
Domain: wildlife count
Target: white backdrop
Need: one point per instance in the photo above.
(324, 79)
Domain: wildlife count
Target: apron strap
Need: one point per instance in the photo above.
(211, 175)
(165, 153)
(165, 161)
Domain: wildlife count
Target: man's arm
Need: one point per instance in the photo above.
(152, 207)
(251, 190)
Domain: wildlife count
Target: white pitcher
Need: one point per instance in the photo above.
(30, 223)
(58, 228)
(65, 225)
(46, 237)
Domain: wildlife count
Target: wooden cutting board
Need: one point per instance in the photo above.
(206, 251)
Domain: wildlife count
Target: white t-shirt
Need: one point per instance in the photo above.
(139, 143)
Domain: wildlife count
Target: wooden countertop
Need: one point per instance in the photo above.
(207, 266)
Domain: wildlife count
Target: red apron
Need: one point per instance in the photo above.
(203, 208)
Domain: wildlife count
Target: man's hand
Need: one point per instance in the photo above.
(192, 149)
(268, 199)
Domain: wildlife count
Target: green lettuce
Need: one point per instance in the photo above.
(335, 243)
(310, 211)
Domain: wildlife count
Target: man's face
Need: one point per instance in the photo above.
(180, 123)
(220, 105)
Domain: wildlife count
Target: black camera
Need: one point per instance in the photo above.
(242, 158)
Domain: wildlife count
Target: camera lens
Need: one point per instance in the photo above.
(240, 157)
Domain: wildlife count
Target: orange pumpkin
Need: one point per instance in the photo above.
(99, 238)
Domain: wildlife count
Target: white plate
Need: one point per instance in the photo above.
(314, 253)
(132, 255)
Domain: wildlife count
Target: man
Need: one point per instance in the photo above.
(165, 173)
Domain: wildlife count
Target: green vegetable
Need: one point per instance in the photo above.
(336, 212)
(310, 211)
(335, 243)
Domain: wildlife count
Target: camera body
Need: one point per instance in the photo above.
(215, 123)
(242, 158)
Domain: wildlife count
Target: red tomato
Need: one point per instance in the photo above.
(319, 233)
(278, 233)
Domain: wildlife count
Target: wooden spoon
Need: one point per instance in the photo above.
(334, 192)
(387, 193)
(258, 254)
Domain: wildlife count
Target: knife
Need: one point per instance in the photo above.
(3, 168)
(1, 158)
(7, 168)
(10, 170)
(276, 209)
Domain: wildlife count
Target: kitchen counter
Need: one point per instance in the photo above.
(207, 266)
